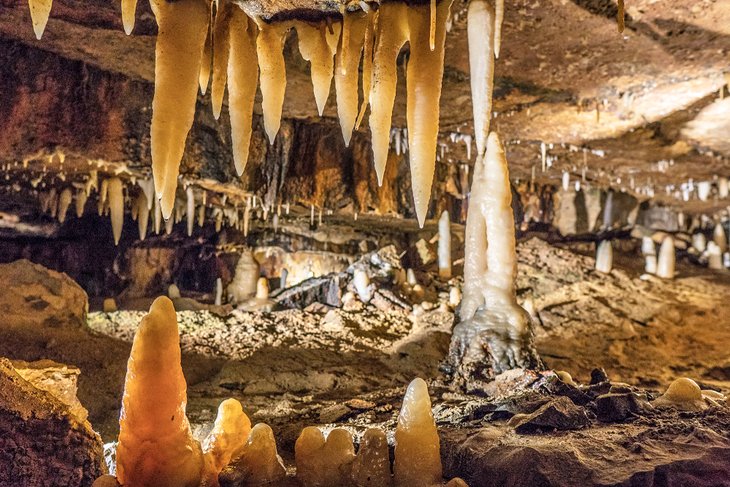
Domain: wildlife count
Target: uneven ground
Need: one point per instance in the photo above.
(295, 368)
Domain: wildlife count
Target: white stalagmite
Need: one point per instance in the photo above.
(129, 9)
(417, 446)
(718, 236)
(39, 12)
(317, 44)
(143, 215)
(480, 29)
(714, 256)
(498, 19)
(723, 188)
(218, 292)
(269, 48)
(81, 198)
(604, 257)
(392, 33)
(116, 207)
(64, 201)
(190, 210)
(665, 262)
(650, 264)
(242, 81)
(444, 246)
(361, 281)
(699, 242)
(423, 82)
(182, 29)
(648, 247)
(703, 190)
(347, 70)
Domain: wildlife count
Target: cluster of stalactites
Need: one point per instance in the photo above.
(156, 446)
(201, 43)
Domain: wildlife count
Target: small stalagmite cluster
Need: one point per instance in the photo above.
(156, 445)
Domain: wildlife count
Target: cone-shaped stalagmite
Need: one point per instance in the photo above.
(324, 463)
(229, 435)
(371, 467)
(156, 446)
(494, 333)
(182, 29)
(665, 262)
(417, 446)
(242, 81)
(604, 257)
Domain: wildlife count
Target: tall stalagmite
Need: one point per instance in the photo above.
(494, 333)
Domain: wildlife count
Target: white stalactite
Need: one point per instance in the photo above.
(444, 246)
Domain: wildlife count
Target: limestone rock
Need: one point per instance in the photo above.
(560, 413)
(41, 442)
(34, 295)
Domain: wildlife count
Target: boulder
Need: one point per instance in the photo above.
(558, 414)
(34, 295)
(42, 442)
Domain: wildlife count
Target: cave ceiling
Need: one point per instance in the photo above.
(644, 107)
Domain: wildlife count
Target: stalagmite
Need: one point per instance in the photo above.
(317, 44)
(417, 446)
(129, 10)
(371, 467)
(246, 220)
(229, 435)
(703, 190)
(116, 207)
(64, 201)
(392, 33)
(218, 291)
(361, 281)
(347, 71)
(665, 262)
(494, 333)
(173, 292)
(498, 19)
(604, 257)
(714, 256)
(718, 236)
(699, 242)
(81, 198)
(444, 246)
(269, 48)
(262, 288)
(424, 77)
(242, 81)
(182, 28)
(650, 264)
(190, 211)
(723, 188)
(259, 463)
(454, 297)
(39, 12)
(245, 280)
(156, 446)
(324, 463)
(683, 394)
(221, 51)
(282, 278)
(143, 216)
(480, 29)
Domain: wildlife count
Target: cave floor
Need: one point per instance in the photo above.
(323, 366)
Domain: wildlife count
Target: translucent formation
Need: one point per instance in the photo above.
(665, 262)
(354, 25)
(324, 463)
(64, 201)
(143, 215)
(116, 207)
(481, 36)
(371, 467)
(221, 50)
(417, 446)
(491, 323)
(269, 48)
(604, 257)
(190, 209)
(498, 19)
(683, 394)
(718, 236)
(242, 82)
(39, 12)
(259, 463)
(245, 279)
(129, 8)
(156, 446)
(182, 29)
(81, 198)
(317, 44)
(229, 435)
(444, 246)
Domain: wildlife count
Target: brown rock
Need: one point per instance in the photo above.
(41, 442)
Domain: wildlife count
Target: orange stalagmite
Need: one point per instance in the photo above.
(156, 446)
(229, 435)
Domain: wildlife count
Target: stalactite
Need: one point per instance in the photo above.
(143, 215)
(269, 48)
(347, 63)
(444, 246)
(218, 291)
(317, 44)
(367, 63)
(424, 77)
(480, 30)
(116, 207)
(206, 63)
(498, 20)
(221, 52)
(182, 28)
(39, 12)
(190, 209)
(242, 82)
(157, 216)
(64, 201)
(718, 236)
(129, 10)
(81, 198)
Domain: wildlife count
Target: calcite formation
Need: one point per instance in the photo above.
(494, 333)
